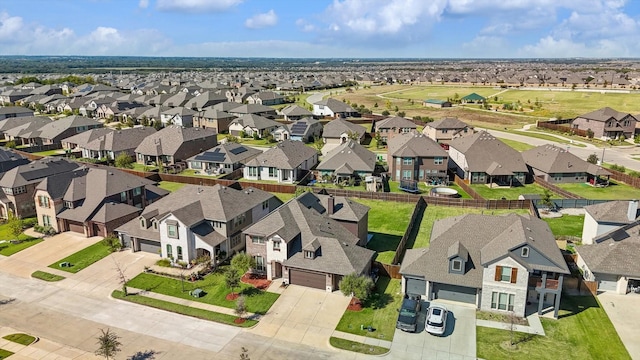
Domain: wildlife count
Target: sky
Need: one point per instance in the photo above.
(323, 28)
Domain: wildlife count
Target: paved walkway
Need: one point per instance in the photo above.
(41, 349)
(535, 326)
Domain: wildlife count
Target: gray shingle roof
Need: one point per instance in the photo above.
(604, 114)
(552, 159)
(615, 252)
(449, 123)
(414, 145)
(111, 139)
(337, 127)
(168, 140)
(288, 154)
(255, 121)
(485, 153)
(343, 209)
(356, 156)
(35, 171)
(295, 110)
(395, 122)
(227, 153)
(336, 105)
(611, 212)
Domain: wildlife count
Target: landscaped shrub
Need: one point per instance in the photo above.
(619, 168)
(29, 222)
(46, 230)
(163, 262)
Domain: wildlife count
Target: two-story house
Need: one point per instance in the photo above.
(334, 108)
(286, 162)
(173, 144)
(447, 129)
(19, 184)
(606, 123)
(415, 157)
(107, 142)
(339, 131)
(497, 263)
(214, 119)
(197, 221)
(252, 125)
(14, 111)
(391, 126)
(312, 240)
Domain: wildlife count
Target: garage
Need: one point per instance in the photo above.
(75, 226)
(307, 278)
(607, 282)
(149, 246)
(415, 286)
(455, 293)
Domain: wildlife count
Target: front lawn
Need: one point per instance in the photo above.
(379, 312)
(349, 345)
(567, 225)
(83, 258)
(182, 309)
(257, 301)
(583, 331)
(22, 339)
(46, 276)
(7, 248)
(508, 193)
(5, 354)
(615, 191)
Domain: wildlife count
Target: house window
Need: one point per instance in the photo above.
(235, 241)
(260, 263)
(169, 251)
(456, 265)
(309, 254)
(43, 201)
(265, 204)
(506, 274)
(239, 220)
(179, 253)
(257, 240)
(19, 190)
(253, 171)
(172, 230)
(407, 161)
(196, 165)
(406, 174)
(143, 223)
(217, 224)
(524, 252)
(398, 160)
(438, 160)
(137, 191)
(68, 204)
(502, 301)
(123, 196)
(46, 220)
(155, 224)
(273, 172)
(276, 246)
(444, 131)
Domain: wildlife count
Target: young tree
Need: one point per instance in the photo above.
(318, 144)
(124, 161)
(108, 344)
(123, 279)
(241, 307)
(232, 139)
(359, 286)
(112, 242)
(593, 159)
(243, 262)
(545, 199)
(15, 224)
(385, 113)
(232, 278)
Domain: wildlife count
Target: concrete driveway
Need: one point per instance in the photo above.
(458, 342)
(303, 315)
(624, 313)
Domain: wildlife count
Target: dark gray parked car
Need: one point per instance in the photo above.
(408, 315)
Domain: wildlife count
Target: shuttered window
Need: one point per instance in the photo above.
(506, 274)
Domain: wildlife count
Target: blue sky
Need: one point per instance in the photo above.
(322, 28)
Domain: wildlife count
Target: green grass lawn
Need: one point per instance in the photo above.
(46, 276)
(517, 145)
(50, 152)
(379, 312)
(615, 191)
(8, 249)
(182, 309)
(547, 137)
(388, 217)
(143, 167)
(257, 301)
(567, 225)
(385, 245)
(349, 345)
(506, 192)
(83, 258)
(583, 331)
(5, 354)
(170, 186)
(284, 197)
(22, 339)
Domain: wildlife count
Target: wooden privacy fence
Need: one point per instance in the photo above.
(549, 186)
(625, 178)
(467, 188)
(392, 271)
(563, 128)
(416, 219)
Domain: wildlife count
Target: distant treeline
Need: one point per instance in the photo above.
(69, 78)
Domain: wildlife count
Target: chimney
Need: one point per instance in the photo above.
(632, 210)
(331, 204)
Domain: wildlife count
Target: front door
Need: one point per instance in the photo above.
(278, 270)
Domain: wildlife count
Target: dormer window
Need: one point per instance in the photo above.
(154, 224)
(456, 265)
(309, 254)
(524, 252)
(143, 223)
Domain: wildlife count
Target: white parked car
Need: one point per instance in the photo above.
(436, 323)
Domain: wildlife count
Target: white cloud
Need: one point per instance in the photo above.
(305, 26)
(263, 20)
(196, 5)
(10, 26)
(143, 4)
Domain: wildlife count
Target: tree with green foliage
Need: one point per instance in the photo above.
(592, 159)
(157, 124)
(112, 242)
(15, 224)
(108, 344)
(243, 262)
(232, 278)
(10, 144)
(378, 139)
(232, 139)
(545, 199)
(318, 144)
(401, 114)
(123, 160)
(385, 113)
(360, 286)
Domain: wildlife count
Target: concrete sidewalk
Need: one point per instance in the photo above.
(535, 326)
(362, 339)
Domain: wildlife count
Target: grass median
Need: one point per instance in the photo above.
(83, 258)
(47, 276)
(349, 345)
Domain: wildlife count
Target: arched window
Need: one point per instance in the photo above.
(170, 251)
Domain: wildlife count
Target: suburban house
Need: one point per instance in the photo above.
(305, 130)
(557, 165)
(10, 159)
(286, 162)
(606, 123)
(436, 103)
(339, 131)
(196, 221)
(205, 100)
(447, 129)
(334, 108)
(605, 217)
(295, 112)
(174, 144)
(55, 131)
(223, 159)
(483, 159)
(267, 98)
(14, 111)
(498, 263)
(180, 116)
(612, 259)
(346, 161)
(305, 242)
(27, 133)
(107, 143)
(252, 109)
(19, 184)
(252, 125)
(416, 157)
(389, 127)
(213, 119)
(92, 201)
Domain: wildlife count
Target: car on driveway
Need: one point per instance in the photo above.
(408, 315)
(436, 320)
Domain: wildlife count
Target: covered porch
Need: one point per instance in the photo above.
(546, 290)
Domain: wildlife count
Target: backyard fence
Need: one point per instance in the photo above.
(549, 186)
(561, 127)
(625, 178)
(411, 231)
(388, 270)
(467, 188)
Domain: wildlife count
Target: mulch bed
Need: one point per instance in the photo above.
(354, 305)
(258, 281)
(232, 297)
(239, 320)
